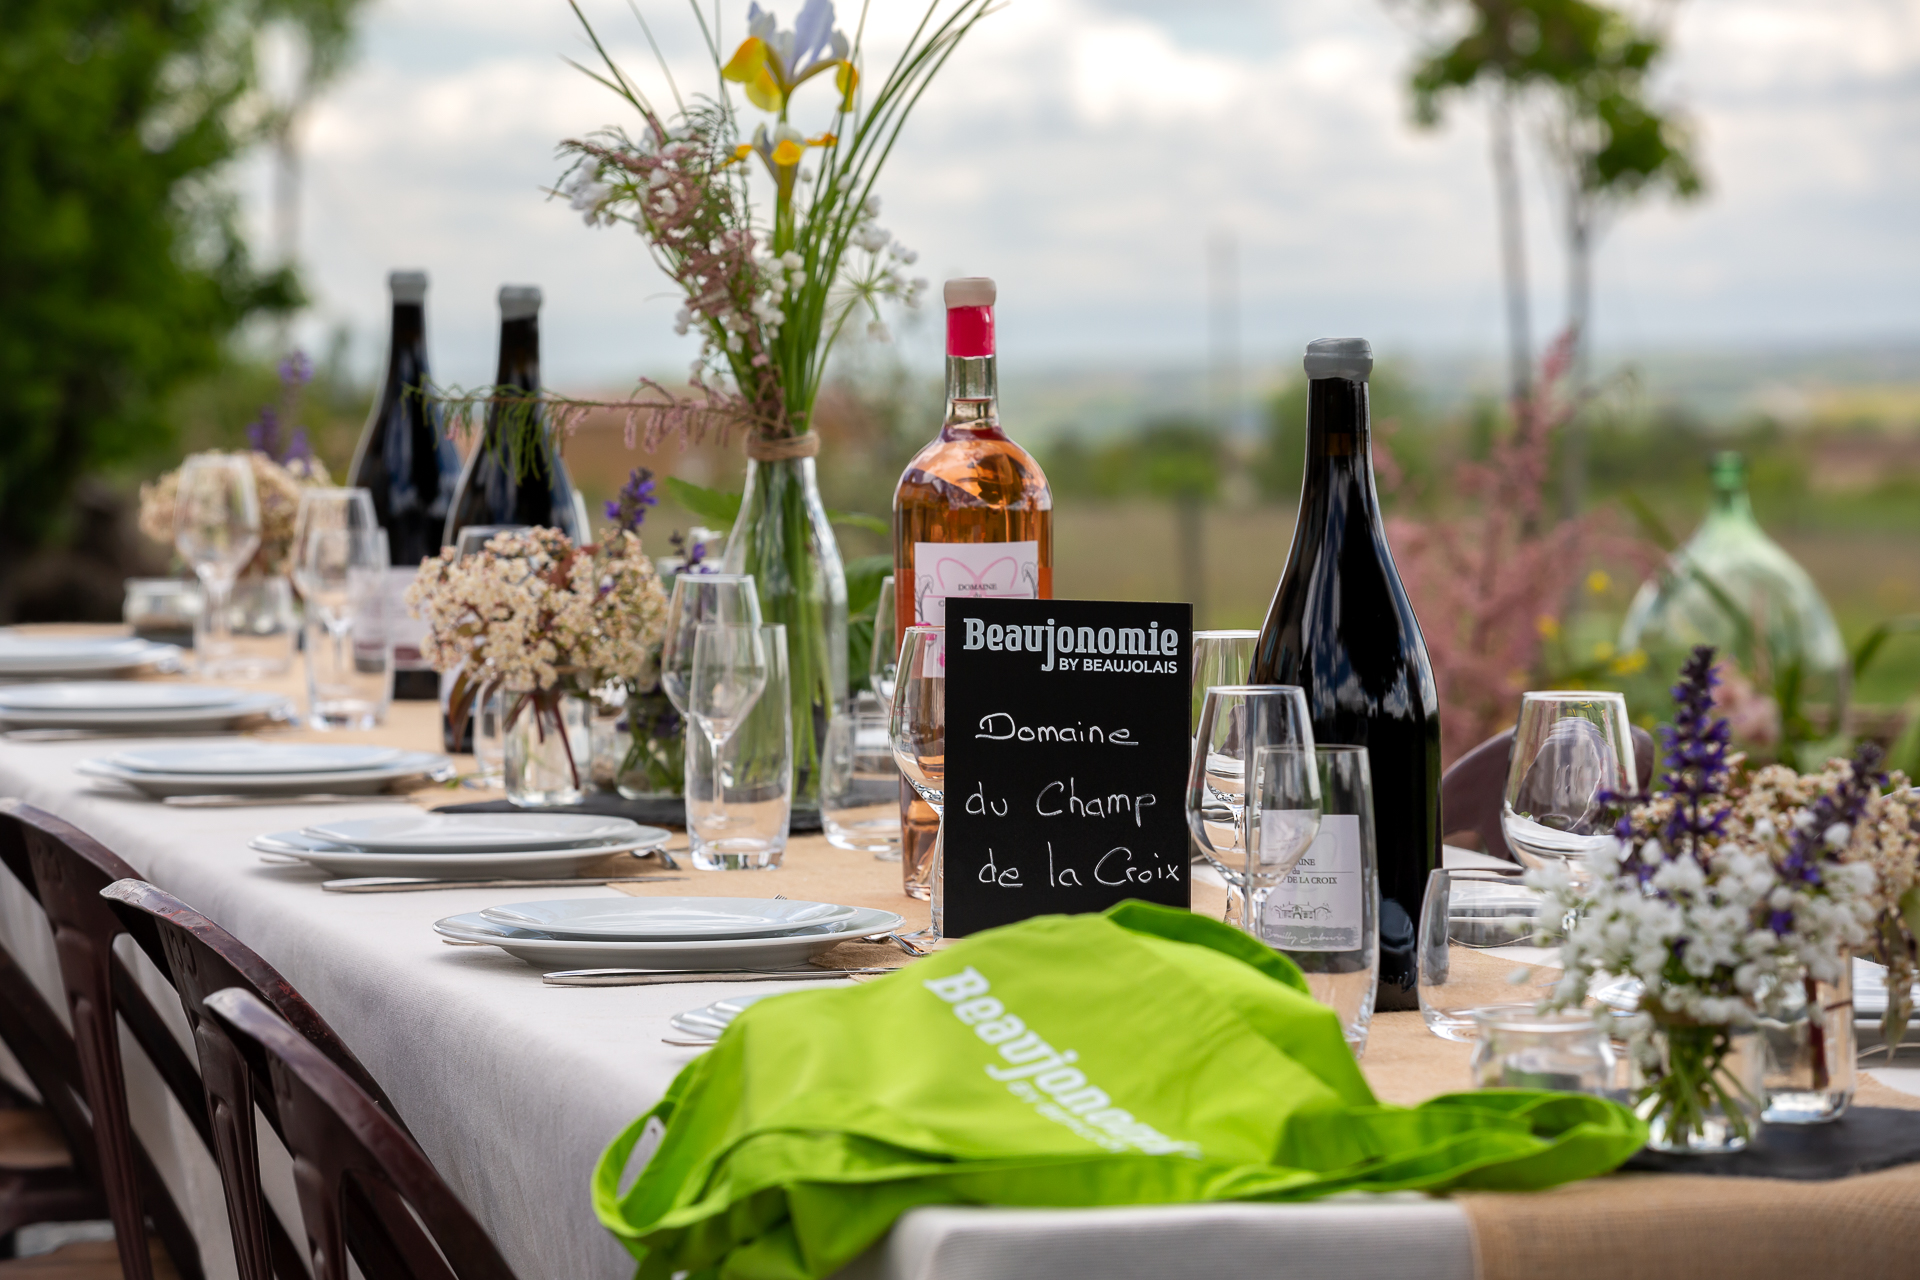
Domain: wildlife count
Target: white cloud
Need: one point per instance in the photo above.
(1081, 150)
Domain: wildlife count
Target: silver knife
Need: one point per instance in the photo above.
(262, 802)
(408, 884)
(655, 977)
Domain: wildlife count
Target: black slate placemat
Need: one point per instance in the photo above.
(670, 812)
(1863, 1140)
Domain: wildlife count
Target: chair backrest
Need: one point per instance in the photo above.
(1474, 789)
(202, 958)
(351, 1160)
(65, 869)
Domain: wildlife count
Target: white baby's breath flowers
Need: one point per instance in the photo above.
(534, 612)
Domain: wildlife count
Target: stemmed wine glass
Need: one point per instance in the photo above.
(886, 642)
(918, 728)
(728, 599)
(340, 553)
(1568, 748)
(489, 734)
(1253, 810)
(216, 526)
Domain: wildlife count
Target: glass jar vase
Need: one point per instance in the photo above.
(783, 538)
(1699, 1088)
(639, 743)
(1812, 1067)
(549, 747)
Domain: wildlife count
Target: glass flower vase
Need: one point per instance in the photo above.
(1699, 1088)
(1812, 1069)
(549, 747)
(782, 537)
(638, 743)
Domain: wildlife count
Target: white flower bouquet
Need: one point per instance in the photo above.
(1721, 898)
(536, 617)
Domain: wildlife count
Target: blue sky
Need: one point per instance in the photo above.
(1081, 151)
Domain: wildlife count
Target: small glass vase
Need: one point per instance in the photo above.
(549, 747)
(783, 538)
(639, 743)
(1812, 1070)
(1699, 1088)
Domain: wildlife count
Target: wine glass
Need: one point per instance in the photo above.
(918, 728)
(340, 572)
(729, 671)
(726, 599)
(332, 533)
(886, 642)
(1568, 748)
(216, 526)
(1219, 658)
(1251, 846)
(489, 736)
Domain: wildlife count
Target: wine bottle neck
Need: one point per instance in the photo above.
(973, 392)
(1339, 439)
(407, 350)
(519, 354)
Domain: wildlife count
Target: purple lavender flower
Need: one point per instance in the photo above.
(263, 433)
(296, 370)
(1807, 852)
(629, 510)
(1696, 755)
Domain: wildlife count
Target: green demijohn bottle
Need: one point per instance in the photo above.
(1731, 586)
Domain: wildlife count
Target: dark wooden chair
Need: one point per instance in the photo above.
(201, 958)
(78, 1074)
(1473, 790)
(351, 1161)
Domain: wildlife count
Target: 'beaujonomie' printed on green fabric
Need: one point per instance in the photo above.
(1143, 1056)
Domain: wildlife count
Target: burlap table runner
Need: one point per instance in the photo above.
(1637, 1226)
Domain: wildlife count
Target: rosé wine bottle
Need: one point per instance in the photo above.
(972, 517)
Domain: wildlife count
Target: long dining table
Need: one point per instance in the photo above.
(514, 1087)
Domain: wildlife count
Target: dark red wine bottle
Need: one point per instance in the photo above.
(1341, 627)
(497, 486)
(406, 461)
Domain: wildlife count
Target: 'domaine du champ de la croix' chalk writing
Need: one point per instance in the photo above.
(1067, 750)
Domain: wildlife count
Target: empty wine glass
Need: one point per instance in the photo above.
(1219, 658)
(726, 599)
(918, 728)
(886, 642)
(1236, 722)
(729, 671)
(216, 526)
(332, 533)
(1568, 748)
(489, 734)
(349, 669)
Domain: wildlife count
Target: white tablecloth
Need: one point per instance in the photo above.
(514, 1088)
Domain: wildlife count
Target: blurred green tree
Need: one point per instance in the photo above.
(121, 262)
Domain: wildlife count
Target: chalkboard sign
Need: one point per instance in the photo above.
(1067, 750)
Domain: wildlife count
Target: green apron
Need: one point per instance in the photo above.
(1143, 1056)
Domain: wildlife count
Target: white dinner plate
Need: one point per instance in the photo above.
(338, 782)
(161, 721)
(475, 832)
(666, 919)
(709, 1020)
(77, 655)
(114, 695)
(529, 863)
(788, 951)
(229, 759)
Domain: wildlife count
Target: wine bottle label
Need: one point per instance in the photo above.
(1320, 906)
(971, 571)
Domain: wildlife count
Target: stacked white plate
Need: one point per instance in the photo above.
(447, 846)
(130, 705)
(40, 657)
(261, 768)
(667, 933)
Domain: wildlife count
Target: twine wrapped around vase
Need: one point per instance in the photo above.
(783, 448)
